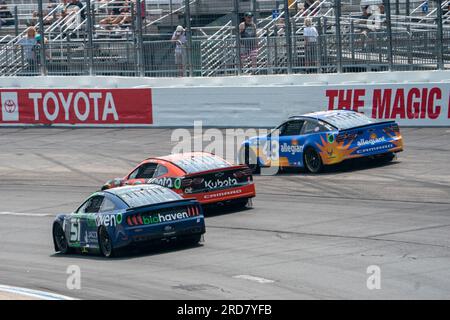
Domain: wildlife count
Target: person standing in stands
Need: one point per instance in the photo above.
(310, 35)
(249, 40)
(29, 47)
(179, 38)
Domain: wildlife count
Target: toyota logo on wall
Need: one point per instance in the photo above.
(10, 106)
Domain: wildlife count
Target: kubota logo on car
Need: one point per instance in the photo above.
(218, 183)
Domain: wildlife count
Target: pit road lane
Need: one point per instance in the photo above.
(307, 236)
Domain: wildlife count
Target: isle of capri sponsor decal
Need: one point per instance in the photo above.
(10, 107)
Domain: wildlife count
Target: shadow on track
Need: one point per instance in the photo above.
(340, 168)
(159, 247)
(134, 252)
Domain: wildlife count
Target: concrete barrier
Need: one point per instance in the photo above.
(419, 98)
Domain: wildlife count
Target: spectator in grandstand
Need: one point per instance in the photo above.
(308, 5)
(50, 9)
(6, 17)
(179, 38)
(120, 15)
(72, 7)
(311, 36)
(371, 18)
(29, 48)
(32, 21)
(249, 41)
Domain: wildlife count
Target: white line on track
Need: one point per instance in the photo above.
(34, 293)
(253, 278)
(6, 213)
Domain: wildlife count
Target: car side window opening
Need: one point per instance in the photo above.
(107, 206)
(146, 171)
(291, 128)
(310, 126)
(92, 205)
(160, 171)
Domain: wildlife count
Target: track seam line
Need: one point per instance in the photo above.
(373, 238)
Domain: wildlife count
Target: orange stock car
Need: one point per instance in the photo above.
(203, 176)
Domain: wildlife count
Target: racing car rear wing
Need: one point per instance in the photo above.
(369, 125)
(390, 128)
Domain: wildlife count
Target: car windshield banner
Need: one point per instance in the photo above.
(76, 106)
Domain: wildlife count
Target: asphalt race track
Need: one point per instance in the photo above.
(307, 236)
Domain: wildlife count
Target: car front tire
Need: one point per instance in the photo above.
(60, 240)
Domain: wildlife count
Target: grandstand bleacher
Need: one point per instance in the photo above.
(412, 39)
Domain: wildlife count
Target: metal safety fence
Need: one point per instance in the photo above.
(280, 45)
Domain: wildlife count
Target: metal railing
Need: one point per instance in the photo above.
(75, 47)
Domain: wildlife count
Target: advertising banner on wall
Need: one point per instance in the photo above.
(408, 104)
(76, 107)
(238, 105)
(266, 106)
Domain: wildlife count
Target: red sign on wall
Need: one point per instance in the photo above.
(76, 106)
(412, 104)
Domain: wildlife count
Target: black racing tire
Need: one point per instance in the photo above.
(60, 240)
(248, 157)
(241, 203)
(313, 161)
(105, 243)
(193, 240)
(387, 157)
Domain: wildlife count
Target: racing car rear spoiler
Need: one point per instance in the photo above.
(368, 125)
(174, 203)
(242, 167)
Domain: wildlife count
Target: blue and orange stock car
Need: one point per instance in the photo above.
(322, 138)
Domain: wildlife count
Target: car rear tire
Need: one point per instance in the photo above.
(249, 158)
(388, 157)
(60, 240)
(105, 243)
(313, 161)
(193, 240)
(242, 203)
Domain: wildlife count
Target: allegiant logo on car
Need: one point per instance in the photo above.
(292, 149)
(218, 183)
(364, 142)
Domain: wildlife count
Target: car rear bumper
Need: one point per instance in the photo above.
(247, 191)
(393, 146)
(168, 236)
(157, 232)
(343, 151)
